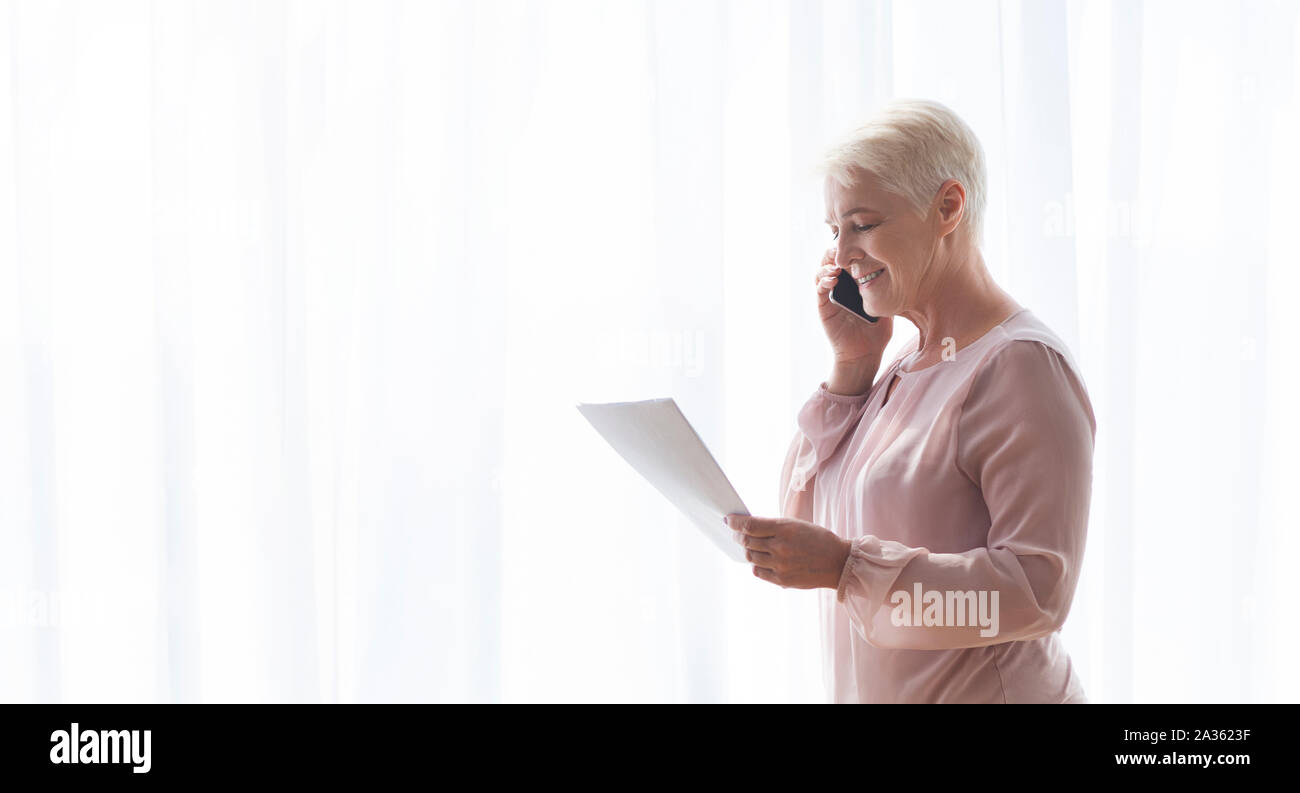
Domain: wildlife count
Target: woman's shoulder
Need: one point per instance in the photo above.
(1024, 325)
(1024, 333)
(1024, 405)
(1028, 361)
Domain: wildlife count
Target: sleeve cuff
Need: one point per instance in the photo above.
(844, 399)
(873, 565)
(850, 584)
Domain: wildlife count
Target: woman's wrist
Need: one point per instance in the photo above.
(853, 378)
(845, 550)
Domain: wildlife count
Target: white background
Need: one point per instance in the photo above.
(296, 299)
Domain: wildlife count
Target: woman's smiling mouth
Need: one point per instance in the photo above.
(867, 279)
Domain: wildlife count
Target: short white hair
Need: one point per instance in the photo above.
(913, 146)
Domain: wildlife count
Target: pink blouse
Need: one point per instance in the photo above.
(966, 501)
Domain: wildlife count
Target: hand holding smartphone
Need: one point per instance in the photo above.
(846, 295)
(855, 336)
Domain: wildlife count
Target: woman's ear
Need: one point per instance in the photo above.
(952, 206)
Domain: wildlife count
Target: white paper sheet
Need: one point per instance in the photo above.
(664, 448)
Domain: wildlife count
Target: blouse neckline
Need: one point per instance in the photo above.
(898, 368)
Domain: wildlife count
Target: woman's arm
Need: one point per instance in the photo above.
(1025, 437)
(796, 502)
(823, 422)
(853, 378)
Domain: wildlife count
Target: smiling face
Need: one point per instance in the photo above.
(879, 236)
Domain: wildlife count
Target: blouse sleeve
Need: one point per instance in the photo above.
(1025, 438)
(824, 422)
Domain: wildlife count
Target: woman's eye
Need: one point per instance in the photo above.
(835, 233)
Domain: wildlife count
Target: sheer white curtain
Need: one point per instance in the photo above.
(298, 298)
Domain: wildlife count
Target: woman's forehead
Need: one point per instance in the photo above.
(863, 193)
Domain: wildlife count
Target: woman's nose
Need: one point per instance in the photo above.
(846, 260)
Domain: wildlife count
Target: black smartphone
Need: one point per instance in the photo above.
(846, 295)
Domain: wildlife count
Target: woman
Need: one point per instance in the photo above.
(944, 508)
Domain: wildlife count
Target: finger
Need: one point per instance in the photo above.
(763, 544)
(827, 278)
(760, 559)
(767, 575)
(759, 527)
(828, 260)
(825, 270)
(824, 295)
(829, 271)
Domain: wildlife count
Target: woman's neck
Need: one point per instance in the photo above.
(963, 303)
